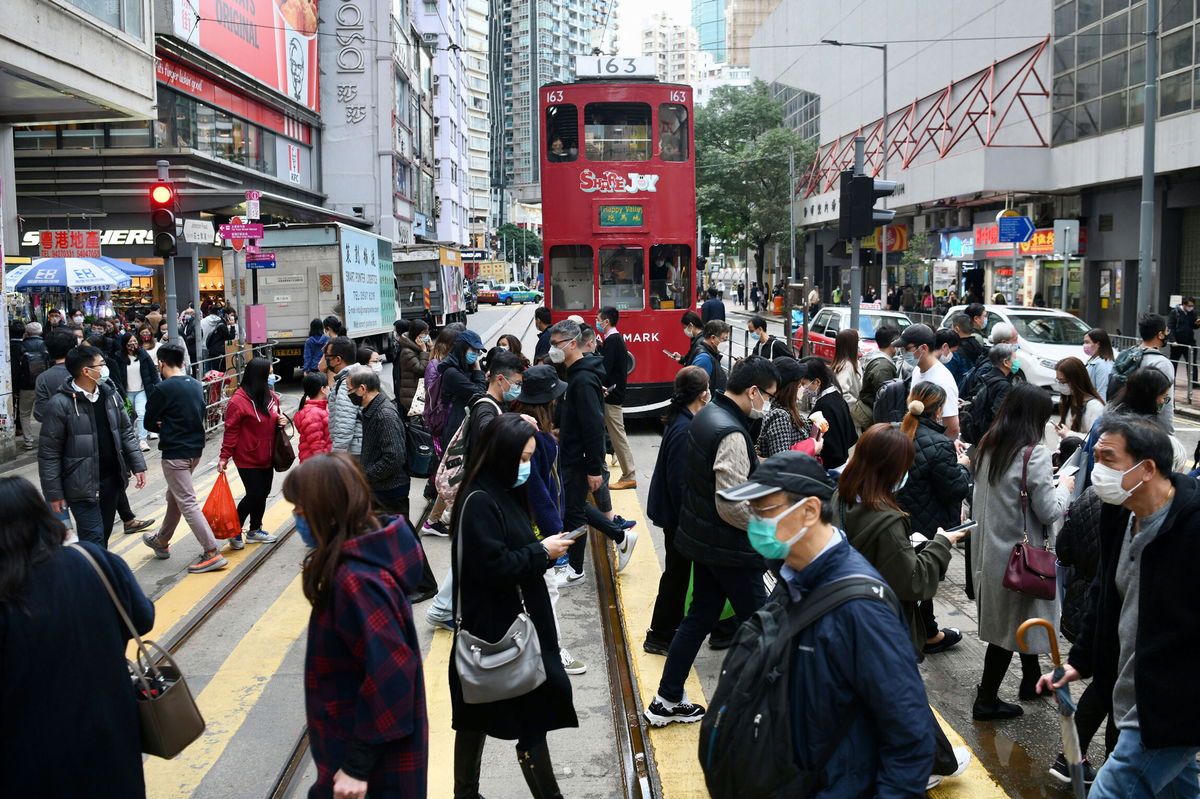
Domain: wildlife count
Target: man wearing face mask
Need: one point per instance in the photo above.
(712, 529)
(1004, 369)
(383, 455)
(708, 354)
(766, 345)
(692, 328)
(345, 420)
(920, 343)
(1138, 636)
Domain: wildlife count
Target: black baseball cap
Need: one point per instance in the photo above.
(795, 472)
(541, 385)
(790, 370)
(916, 335)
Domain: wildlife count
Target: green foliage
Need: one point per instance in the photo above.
(742, 159)
(917, 251)
(518, 241)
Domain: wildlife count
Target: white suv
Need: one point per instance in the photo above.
(1045, 335)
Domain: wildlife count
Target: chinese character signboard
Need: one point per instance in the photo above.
(361, 284)
(987, 243)
(621, 216)
(69, 244)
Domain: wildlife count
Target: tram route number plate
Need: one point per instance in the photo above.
(621, 216)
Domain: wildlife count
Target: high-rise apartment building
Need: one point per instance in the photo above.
(478, 123)
(708, 18)
(443, 26)
(742, 20)
(534, 43)
(676, 51)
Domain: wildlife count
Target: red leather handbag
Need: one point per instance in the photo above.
(1030, 569)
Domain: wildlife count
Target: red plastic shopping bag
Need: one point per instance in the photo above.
(220, 510)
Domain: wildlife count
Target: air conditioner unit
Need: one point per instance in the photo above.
(430, 38)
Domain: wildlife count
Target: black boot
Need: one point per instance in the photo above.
(991, 708)
(539, 772)
(468, 757)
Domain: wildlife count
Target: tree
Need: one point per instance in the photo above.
(742, 149)
(519, 243)
(917, 251)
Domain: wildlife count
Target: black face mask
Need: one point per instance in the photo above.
(356, 399)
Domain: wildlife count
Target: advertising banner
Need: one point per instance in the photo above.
(69, 243)
(272, 41)
(361, 284)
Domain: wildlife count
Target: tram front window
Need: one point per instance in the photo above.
(622, 278)
(669, 276)
(571, 284)
(672, 132)
(617, 131)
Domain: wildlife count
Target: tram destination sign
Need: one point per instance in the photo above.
(621, 216)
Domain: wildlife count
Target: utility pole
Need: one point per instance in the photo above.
(856, 246)
(1145, 284)
(787, 284)
(883, 232)
(164, 175)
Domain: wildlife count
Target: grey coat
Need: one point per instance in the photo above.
(345, 418)
(997, 508)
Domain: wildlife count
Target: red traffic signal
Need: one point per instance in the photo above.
(162, 218)
(162, 194)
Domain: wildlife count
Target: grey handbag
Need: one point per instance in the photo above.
(492, 672)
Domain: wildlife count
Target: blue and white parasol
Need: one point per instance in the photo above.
(66, 275)
(128, 267)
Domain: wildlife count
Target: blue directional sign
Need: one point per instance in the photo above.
(261, 260)
(1015, 229)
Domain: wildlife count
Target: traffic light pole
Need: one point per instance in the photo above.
(169, 274)
(1145, 277)
(856, 246)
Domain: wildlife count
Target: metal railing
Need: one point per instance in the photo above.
(221, 375)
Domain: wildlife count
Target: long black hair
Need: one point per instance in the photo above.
(1141, 391)
(316, 328)
(254, 383)
(1020, 422)
(123, 356)
(311, 384)
(496, 456)
(29, 534)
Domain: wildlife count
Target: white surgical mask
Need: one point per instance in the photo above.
(1108, 480)
(556, 355)
(946, 357)
(377, 367)
(1060, 387)
(755, 411)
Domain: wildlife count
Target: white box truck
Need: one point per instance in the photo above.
(430, 283)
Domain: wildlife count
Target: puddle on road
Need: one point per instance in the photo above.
(1019, 773)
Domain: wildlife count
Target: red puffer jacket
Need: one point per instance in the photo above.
(312, 421)
(249, 433)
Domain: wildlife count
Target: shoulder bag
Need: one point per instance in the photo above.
(1030, 569)
(168, 714)
(282, 453)
(494, 671)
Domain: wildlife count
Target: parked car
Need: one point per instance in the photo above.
(829, 320)
(507, 294)
(1046, 336)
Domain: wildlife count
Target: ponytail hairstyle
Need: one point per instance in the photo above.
(925, 400)
(690, 383)
(312, 383)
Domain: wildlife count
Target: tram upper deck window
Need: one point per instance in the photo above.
(622, 278)
(571, 282)
(670, 276)
(672, 132)
(617, 131)
(562, 132)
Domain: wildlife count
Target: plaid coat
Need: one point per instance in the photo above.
(362, 671)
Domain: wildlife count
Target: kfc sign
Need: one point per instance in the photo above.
(68, 243)
(609, 182)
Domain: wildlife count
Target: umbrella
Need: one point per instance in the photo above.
(129, 268)
(1066, 707)
(67, 274)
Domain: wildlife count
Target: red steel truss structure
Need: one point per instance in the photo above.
(989, 108)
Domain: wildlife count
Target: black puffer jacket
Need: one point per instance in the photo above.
(937, 482)
(1078, 548)
(68, 452)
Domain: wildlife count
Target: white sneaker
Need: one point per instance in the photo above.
(963, 755)
(625, 549)
(237, 543)
(566, 576)
(260, 537)
(570, 664)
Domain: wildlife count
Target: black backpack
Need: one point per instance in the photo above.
(746, 736)
(891, 401)
(421, 457)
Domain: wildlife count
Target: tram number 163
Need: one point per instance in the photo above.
(614, 67)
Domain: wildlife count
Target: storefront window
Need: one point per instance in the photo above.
(670, 275)
(622, 278)
(571, 284)
(129, 134)
(82, 136)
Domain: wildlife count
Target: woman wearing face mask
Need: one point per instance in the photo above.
(784, 425)
(250, 421)
(845, 364)
(137, 376)
(365, 693)
(312, 417)
(150, 342)
(513, 344)
(823, 395)
(937, 483)
(462, 377)
(690, 394)
(866, 508)
(369, 357)
(1079, 404)
(499, 568)
(1100, 357)
(1015, 497)
(412, 356)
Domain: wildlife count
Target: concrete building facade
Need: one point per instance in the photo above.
(742, 20)
(676, 51)
(479, 133)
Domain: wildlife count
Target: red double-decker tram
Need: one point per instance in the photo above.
(618, 178)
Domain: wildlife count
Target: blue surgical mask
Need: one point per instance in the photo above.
(306, 533)
(1016, 366)
(512, 392)
(523, 473)
(910, 358)
(762, 535)
(272, 379)
(472, 357)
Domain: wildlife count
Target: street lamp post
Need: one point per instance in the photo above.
(883, 122)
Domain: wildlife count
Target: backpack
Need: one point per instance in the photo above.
(35, 360)
(746, 747)
(1128, 362)
(435, 413)
(453, 468)
(421, 458)
(891, 401)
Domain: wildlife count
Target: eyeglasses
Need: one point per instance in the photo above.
(759, 513)
(770, 397)
(561, 343)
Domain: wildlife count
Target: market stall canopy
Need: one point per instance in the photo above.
(67, 275)
(129, 268)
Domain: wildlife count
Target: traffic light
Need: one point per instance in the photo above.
(857, 215)
(162, 218)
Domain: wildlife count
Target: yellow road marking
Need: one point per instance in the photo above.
(437, 699)
(130, 543)
(231, 694)
(974, 783)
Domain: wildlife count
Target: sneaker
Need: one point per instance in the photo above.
(28, 445)
(440, 623)
(625, 523)
(1062, 773)
(161, 551)
(570, 664)
(963, 755)
(435, 528)
(208, 564)
(260, 537)
(625, 549)
(152, 436)
(137, 525)
(567, 576)
(659, 715)
(144, 446)
(236, 542)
